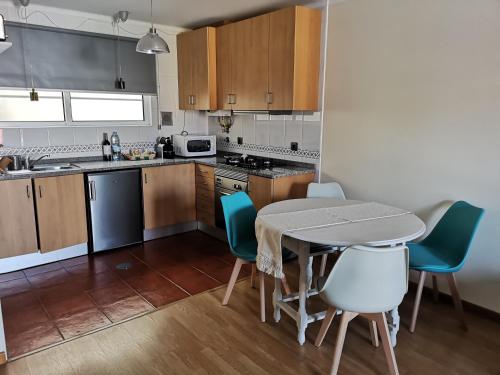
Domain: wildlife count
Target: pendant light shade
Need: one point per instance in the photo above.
(152, 43)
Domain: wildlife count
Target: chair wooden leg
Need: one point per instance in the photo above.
(347, 316)
(386, 343)
(262, 292)
(286, 287)
(234, 276)
(252, 278)
(330, 314)
(416, 305)
(373, 333)
(435, 288)
(452, 283)
(324, 259)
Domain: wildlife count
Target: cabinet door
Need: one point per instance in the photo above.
(185, 70)
(224, 41)
(250, 63)
(281, 58)
(169, 195)
(60, 208)
(291, 187)
(204, 84)
(17, 218)
(260, 191)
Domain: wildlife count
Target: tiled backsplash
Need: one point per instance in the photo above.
(271, 136)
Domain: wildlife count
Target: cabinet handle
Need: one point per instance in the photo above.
(145, 178)
(229, 99)
(194, 99)
(28, 193)
(234, 99)
(93, 195)
(269, 98)
(40, 190)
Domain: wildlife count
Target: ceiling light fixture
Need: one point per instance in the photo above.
(152, 43)
(121, 16)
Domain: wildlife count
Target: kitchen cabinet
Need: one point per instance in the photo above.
(270, 62)
(17, 218)
(196, 61)
(169, 195)
(205, 196)
(61, 212)
(264, 191)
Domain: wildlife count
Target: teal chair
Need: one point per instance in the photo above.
(240, 215)
(444, 251)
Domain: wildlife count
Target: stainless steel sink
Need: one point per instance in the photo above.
(53, 167)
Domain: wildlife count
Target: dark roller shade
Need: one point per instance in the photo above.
(73, 60)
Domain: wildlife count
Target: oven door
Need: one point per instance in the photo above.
(219, 212)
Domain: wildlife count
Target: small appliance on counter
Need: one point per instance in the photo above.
(194, 145)
(165, 148)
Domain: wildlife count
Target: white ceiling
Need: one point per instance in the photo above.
(182, 13)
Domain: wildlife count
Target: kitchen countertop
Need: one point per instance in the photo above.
(100, 166)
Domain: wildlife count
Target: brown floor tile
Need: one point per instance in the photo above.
(82, 322)
(136, 268)
(220, 270)
(126, 308)
(75, 261)
(35, 338)
(190, 279)
(11, 305)
(68, 305)
(8, 288)
(88, 268)
(50, 278)
(42, 269)
(11, 276)
(164, 296)
(95, 281)
(112, 293)
(24, 319)
(148, 281)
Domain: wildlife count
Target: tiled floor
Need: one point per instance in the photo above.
(48, 304)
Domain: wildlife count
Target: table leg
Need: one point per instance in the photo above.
(276, 298)
(393, 323)
(305, 281)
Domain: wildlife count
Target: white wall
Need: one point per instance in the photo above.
(167, 82)
(412, 114)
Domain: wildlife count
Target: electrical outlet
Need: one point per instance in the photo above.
(240, 140)
(294, 146)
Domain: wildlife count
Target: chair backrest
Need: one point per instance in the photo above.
(453, 234)
(239, 215)
(328, 190)
(367, 279)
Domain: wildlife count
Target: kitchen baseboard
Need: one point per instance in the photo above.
(212, 231)
(154, 234)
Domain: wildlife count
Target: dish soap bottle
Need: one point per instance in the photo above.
(106, 148)
(115, 146)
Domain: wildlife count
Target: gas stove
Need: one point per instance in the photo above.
(249, 162)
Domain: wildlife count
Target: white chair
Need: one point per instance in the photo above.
(327, 190)
(368, 282)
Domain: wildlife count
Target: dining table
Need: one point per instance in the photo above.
(313, 226)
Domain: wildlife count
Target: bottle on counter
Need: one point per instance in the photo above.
(106, 148)
(116, 149)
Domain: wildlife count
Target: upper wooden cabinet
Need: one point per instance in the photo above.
(60, 208)
(270, 62)
(17, 219)
(169, 195)
(196, 62)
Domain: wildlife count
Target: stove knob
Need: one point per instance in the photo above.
(237, 186)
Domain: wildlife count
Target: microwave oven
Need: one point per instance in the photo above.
(194, 145)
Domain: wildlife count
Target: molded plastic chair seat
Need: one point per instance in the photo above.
(424, 258)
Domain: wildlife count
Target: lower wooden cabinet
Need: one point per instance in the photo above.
(169, 195)
(264, 191)
(61, 213)
(17, 219)
(205, 196)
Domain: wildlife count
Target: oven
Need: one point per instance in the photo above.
(227, 183)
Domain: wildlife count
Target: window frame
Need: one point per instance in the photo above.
(147, 100)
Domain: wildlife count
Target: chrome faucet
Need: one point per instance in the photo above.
(30, 164)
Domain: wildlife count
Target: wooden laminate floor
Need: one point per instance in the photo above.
(199, 336)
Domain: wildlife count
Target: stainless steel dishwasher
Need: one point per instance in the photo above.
(115, 207)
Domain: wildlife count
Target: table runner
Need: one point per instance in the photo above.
(270, 228)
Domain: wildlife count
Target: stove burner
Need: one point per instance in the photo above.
(250, 162)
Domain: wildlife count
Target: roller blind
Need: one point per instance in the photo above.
(73, 60)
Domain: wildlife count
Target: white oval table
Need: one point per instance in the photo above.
(373, 227)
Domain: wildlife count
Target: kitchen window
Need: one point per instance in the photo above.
(78, 109)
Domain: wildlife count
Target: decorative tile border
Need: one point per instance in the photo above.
(68, 149)
(235, 147)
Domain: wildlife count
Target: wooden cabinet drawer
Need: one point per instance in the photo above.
(206, 217)
(205, 182)
(204, 170)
